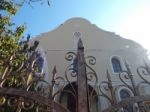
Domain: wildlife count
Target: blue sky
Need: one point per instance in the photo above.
(120, 16)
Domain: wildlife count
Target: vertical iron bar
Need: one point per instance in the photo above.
(136, 92)
(19, 108)
(132, 79)
(110, 86)
(83, 105)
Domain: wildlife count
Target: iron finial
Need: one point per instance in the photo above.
(80, 44)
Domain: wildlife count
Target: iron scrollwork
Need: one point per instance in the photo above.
(19, 79)
(91, 76)
(143, 72)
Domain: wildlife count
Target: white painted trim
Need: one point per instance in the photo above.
(118, 98)
(123, 88)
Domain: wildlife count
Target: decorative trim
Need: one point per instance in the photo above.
(118, 98)
(123, 88)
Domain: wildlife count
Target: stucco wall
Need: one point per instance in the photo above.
(103, 45)
(97, 42)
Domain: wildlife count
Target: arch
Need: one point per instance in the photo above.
(116, 64)
(77, 20)
(124, 89)
(123, 93)
(68, 98)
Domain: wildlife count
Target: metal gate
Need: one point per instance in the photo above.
(29, 95)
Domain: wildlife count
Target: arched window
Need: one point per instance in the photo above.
(40, 64)
(124, 93)
(116, 65)
(68, 100)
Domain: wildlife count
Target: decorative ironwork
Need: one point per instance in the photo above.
(23, 87)
(144, 72)
(126, 77)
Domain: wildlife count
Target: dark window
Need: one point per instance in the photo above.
(71, 100)
(116, 65)
(40, 63)
(75, 65)
(123, 95)
(69, 97)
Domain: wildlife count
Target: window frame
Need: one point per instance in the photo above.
(121, 64)
(118, 96)
(116, 65)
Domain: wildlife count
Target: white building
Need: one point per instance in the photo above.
(110, 50)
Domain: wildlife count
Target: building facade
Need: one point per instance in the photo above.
(112, 53)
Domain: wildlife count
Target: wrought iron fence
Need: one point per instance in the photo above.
(23, 90)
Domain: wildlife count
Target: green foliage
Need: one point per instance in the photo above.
(12, 46)
(16, 55)
(9, 38)
(8, 6)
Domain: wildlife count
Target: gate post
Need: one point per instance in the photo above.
(82, 101)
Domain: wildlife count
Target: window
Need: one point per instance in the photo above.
(68, 99)
(75, 65)
(40, 63)
(116, 65)
(123, 95)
